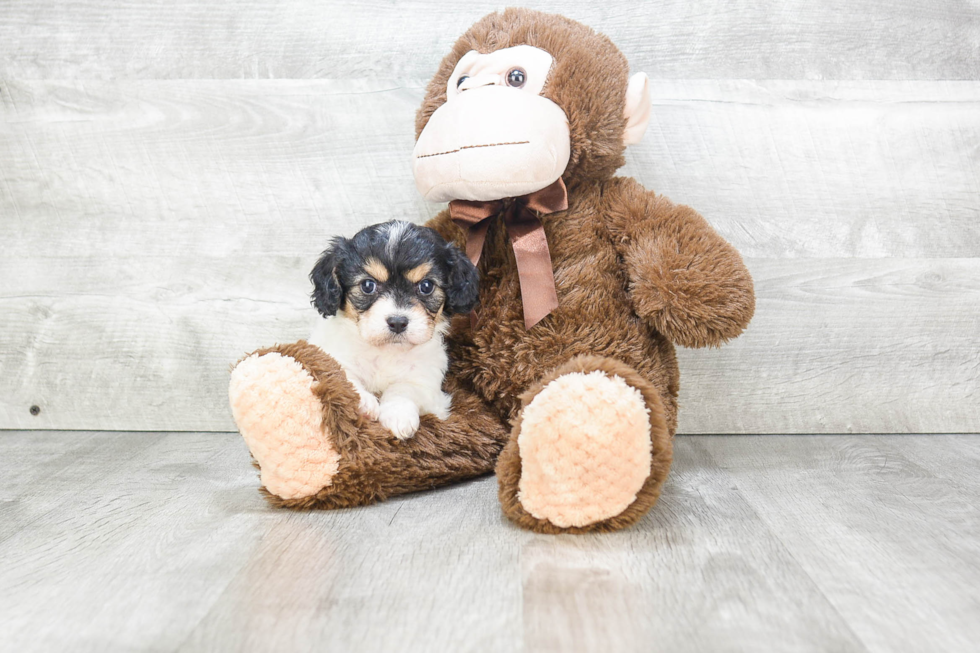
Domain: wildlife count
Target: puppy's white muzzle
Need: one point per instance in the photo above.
(387, 324)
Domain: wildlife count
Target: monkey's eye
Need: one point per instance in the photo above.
(369, 286)
(516, 77)
(462, 78)
(426, 287)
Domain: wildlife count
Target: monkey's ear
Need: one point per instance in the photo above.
(637, 108)
(327, 291)
(463, 287)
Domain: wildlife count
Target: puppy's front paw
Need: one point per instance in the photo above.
(401, 417)
(370, 407)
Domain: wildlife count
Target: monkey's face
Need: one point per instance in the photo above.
(496, 136)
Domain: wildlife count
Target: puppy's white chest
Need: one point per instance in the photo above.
(378, 368)
(380, 371)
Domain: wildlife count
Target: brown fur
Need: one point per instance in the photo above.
(374, 465)
(634, 273)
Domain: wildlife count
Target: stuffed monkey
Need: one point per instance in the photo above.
(564, 380)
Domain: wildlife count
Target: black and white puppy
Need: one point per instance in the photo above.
(386, 296)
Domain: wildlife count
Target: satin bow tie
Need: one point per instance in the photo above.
(527, 237)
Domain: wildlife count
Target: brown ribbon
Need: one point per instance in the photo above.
(527, 237)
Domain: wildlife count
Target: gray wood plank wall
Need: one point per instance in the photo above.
(168, 174)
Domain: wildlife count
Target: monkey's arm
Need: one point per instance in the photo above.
(684, 279)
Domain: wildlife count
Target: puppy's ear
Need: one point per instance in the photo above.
(463, 287)
(328, 294)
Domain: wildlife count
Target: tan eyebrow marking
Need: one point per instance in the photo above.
(418, 273)
(376, 269)
(470, 147)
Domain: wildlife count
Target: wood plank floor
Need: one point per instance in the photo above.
(159, 541)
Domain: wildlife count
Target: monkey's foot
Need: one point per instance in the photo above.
(590, 451)
(282, 422)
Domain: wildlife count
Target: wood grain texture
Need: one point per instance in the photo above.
(782, 169)
(701, 572)
(780, 39)
(829, 169)
(55, 469)
(130, 555)
(155, 231)
(842, 543)
(886, 539)
(843, 345)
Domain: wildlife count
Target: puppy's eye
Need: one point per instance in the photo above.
(462, 78)
(426, 287)
(516, 77)
(369, 286)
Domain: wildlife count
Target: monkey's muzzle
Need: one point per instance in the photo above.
(489, 143)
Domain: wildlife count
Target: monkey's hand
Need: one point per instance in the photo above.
(685, 280)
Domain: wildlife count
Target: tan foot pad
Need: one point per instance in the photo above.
(585, 449)
(282, 423)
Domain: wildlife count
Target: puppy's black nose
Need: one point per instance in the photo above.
(397, 323)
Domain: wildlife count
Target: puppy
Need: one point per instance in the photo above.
(386, 296)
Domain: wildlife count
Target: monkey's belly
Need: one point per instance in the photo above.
(508, 358)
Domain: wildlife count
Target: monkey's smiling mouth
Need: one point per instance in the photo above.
(470, 147)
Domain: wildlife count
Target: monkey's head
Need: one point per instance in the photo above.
(525, 98)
